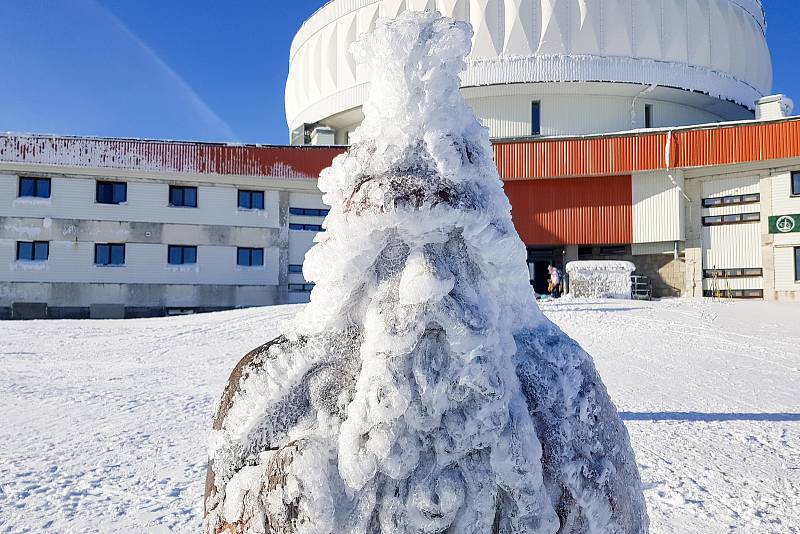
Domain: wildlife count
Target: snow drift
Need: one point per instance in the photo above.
(421, 390)
(600, 279)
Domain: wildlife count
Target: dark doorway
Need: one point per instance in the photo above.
(540, 276)
(538, 260)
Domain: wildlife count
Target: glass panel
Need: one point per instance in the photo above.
(797, 264)
(104, 193)
(244, 199)
(175, 255)
(257, 256)
(296, 211)
(41, 251)
(190, 197)
(43, 188)
(295, 268)
(796, 183)
(120, 193)
(243, 256)
(117, 254)
(190, 255)
(536, 118)
(732, 218)
(24, 250)
(175, 196)
(27, 187)
(101, 254)
(258, 200)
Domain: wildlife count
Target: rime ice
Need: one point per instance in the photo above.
(421, 390)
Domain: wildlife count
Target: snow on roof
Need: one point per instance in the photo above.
(293, 162)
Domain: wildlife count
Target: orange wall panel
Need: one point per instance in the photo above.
(572, 211)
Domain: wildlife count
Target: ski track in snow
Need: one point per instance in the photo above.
(105, 423)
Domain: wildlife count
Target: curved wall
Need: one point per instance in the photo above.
(714, 47)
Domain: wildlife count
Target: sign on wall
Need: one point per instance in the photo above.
(784, 224)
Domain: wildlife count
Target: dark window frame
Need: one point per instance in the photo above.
(738, 272)
(797, 264)
(299, 227)
(732, 200)
(249, 251)
(183, 249)
(115, 186)
(648, 115)
(536, 118)
(794, 183)
(250, 195)
(301, 288)
(309, 212)
(110, 252)
(735, 293)
(182, 201)
(295, 269)
(37, 181)
(35, 247)
(731, 218)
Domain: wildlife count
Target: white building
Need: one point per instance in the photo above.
(128, 228)
(608, 123)
(554, 67)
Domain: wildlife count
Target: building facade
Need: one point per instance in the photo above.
(129, 228)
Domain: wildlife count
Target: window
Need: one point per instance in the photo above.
(112, 192)
(181, 255)
(33, 250)
(182, 197)
(796, 183)
(301, 288)
(733, 273)
(536, 118)
(648, 115)
(295, 268)
(735, 293)
(251, 200)
(797, 264)
(109, 254)
(731, 200)
(612, 250)
(306, 212)
(34, 187)
(736, 218)
(306, 227)
(250, 257)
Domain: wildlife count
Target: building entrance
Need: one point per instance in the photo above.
(538, 261)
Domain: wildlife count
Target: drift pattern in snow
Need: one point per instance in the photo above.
(421, 390)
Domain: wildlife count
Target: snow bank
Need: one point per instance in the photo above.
(421, 390)
(600, 279)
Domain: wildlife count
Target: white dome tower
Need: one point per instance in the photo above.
(592, 66)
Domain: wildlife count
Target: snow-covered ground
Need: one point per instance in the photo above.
(103, 424)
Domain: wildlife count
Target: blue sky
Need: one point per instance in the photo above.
(189, 69)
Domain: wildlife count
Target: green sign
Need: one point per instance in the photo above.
(784, 224)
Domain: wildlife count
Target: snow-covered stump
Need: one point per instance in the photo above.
(600, 279)
(421, 390)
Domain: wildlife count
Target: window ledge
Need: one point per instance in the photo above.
(109, 266)
(184, 207)
(250, 268)
(32, 201)
(29, 265)
(185, 268)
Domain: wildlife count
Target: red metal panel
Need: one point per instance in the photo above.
(572, 211)
(616, 154)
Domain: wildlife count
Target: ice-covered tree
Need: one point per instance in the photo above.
(421, 390)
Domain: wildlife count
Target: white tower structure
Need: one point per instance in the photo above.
(553, 67)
